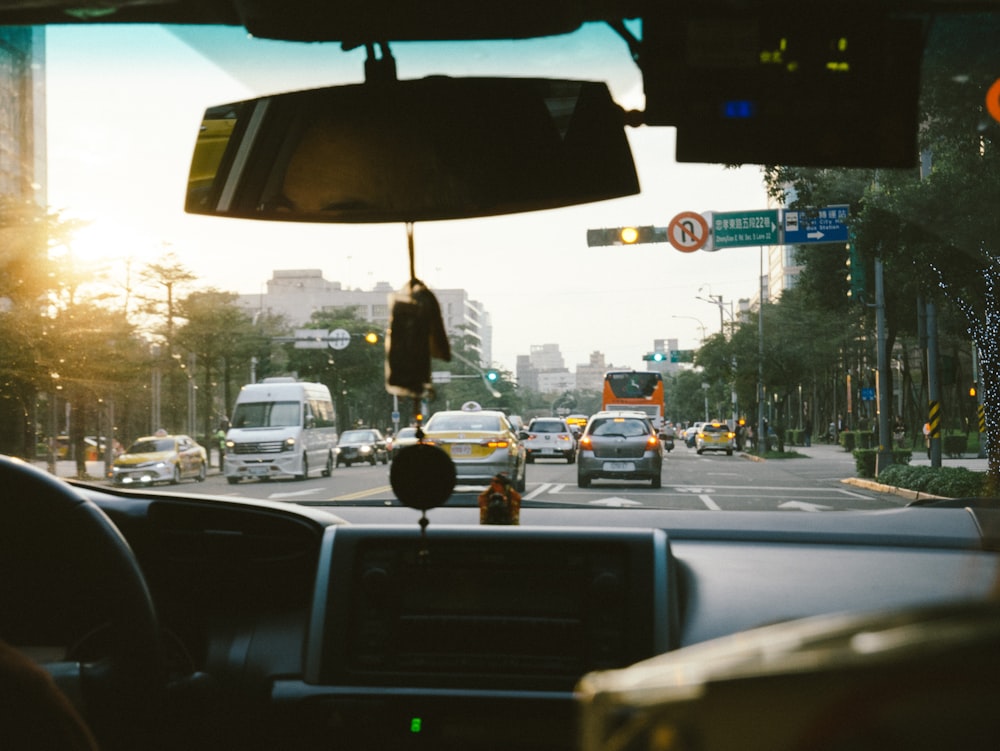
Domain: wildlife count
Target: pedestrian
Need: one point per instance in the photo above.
(808, 432)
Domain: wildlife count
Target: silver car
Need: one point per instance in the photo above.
(619, 446)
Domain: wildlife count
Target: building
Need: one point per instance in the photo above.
(590, 375)
(544, 371)
(298, 293)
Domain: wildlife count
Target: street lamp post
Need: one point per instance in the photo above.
(700, 324)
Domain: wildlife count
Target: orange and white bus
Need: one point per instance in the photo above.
(636, 390)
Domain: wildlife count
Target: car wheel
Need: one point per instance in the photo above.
(582, 481)
(385, 458)
(232, 480)
(305, 468)
(657, 481)
(701, 451)
(521, 483)
(530, 459)
(177, 476)
(729, 453)
(372, 461)
(571, 459)
(47, 525)
(328, 469)
(202, 472)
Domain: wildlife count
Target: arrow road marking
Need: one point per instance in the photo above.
(804, 506)
(615, 502)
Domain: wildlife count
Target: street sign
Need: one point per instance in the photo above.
(688, 231)
(339, 339)
(741, 229)
(310, 338)
(440, 376)
(825, 225)
(682, 355)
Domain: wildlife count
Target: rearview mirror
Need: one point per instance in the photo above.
(418, 150)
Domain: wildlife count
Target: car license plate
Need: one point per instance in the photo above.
(258, 470)
(619, 466)
(461, 449)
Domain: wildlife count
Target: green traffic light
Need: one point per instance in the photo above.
(492, 376)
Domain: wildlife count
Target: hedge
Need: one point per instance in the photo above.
(864, 461)
(950, 482)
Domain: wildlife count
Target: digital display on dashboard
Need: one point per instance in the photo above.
(522, 612)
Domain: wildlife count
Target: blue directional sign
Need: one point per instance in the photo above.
(825, 225)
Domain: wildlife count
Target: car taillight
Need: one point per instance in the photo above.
(496, 444)
(652, 441)
(585, 442)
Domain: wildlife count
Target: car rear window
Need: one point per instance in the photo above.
(549, 426)
(625, 427)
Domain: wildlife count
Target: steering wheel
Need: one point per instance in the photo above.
(64, 565)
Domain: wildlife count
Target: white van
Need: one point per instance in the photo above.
(281, 428)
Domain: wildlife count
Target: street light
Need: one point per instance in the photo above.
(700, 325)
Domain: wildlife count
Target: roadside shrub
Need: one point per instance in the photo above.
(847, 440)
(954, 445)
(865, 460)
(950, 482)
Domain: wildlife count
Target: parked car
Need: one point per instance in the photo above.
(361, 445)
(549, 437)
(160, 458)
(619, 446)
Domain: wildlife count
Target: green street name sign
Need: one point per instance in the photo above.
(738, 229)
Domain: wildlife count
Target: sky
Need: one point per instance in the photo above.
(120, 136)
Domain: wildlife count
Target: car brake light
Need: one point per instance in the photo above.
(585, 442)
(496, 444)
(652, 441)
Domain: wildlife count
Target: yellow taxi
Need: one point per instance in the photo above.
(715, 436)
(481, 442)
(160, 458)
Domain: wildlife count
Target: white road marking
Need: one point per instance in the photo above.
(709, 503)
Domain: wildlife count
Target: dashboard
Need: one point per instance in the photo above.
(350, 627)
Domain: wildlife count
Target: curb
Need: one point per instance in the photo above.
(912, 495)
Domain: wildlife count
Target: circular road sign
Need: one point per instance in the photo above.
(688, 231)
(993, 100)
(339, 339)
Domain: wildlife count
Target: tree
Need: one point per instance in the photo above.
(355, 375)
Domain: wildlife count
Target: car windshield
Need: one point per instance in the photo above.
(357, 436)
(820, 308)
(151, 447)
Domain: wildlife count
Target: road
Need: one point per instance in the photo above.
(710, 482)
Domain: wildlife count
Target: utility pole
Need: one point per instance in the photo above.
(884, 457)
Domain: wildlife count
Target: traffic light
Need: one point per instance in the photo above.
(492, 376)
(654, 356)
(856, 277)
(632, 235)
(371, 337)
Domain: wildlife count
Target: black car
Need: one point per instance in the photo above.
(363, 445)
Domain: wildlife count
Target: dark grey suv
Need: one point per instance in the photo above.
(619, 446)
(363, 445)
